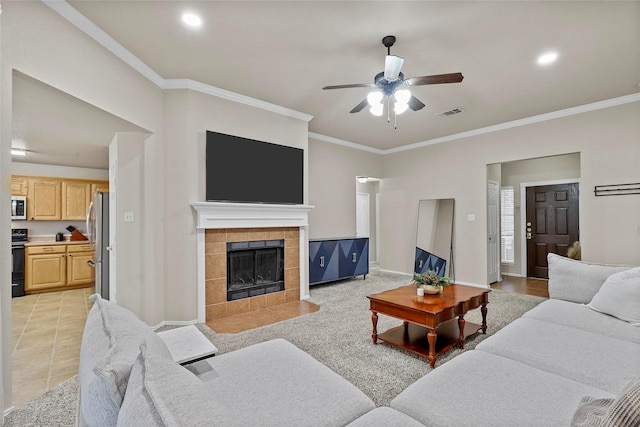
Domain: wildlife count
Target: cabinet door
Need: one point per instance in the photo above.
(45, 271)
(43, 202)
(323, 261)
(75, 199)
(19, 186)
(100, 186)
(78, 271)
(354, 257)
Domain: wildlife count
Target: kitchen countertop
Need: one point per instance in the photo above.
(53, 242)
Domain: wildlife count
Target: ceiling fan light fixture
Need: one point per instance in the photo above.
(402, 96)
(399, 108)
(374, 98)
(377, 109)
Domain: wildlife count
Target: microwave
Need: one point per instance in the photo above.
(18, 207)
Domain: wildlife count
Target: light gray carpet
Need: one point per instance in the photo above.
(338, 335)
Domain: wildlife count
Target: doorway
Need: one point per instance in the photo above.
(551, 224)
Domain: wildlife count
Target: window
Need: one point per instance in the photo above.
(507, 220)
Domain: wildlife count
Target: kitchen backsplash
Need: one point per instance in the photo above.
(47, 230)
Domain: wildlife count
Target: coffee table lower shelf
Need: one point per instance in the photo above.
(413, 337)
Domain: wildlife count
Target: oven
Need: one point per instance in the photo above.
(19, 237)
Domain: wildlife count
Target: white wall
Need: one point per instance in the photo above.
(332, 172)
(607, 141)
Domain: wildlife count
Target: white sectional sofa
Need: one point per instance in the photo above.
(563, 363)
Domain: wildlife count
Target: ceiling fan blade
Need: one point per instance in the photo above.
(392, 66)
(348, 86)
(435, 79)
(360, 106)
(415, 104)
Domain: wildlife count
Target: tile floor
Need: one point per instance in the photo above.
(267, 316)
(47, 330)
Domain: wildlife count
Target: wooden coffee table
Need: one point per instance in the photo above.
(429, 328)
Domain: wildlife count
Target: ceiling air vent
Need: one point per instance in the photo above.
(451, 112)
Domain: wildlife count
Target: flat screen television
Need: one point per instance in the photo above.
(245, 170)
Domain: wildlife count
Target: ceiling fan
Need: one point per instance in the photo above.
(391, 82)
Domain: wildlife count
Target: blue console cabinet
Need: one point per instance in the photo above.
(335, 259)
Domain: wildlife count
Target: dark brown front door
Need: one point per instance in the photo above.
(552, 224)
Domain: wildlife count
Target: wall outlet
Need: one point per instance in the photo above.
(128, 217)
(471, 217)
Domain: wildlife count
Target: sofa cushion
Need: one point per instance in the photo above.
(110, 344)
(577, 281)
(619, 296)
(596, 360)
(160, 392)
(482, 389)
(284, 386)
(385, 417)
(623, 411)
(582, 317)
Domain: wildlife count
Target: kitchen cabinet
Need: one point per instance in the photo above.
(56, 199)
(44, 199)
(78, 271)
(46, 268)
(19, 186)
(336, 259)
(76, 196)
(58, 266)
(100, 186)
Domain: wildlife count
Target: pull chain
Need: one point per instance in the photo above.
(388, 109)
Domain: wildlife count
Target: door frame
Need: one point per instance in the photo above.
(523, 215)
(498, 260)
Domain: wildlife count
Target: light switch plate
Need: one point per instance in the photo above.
(471, 217)
(128, 217)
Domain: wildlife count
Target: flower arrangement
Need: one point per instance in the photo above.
(430, 278)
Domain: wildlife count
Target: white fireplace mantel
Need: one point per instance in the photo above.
(249, 215)
(216, 215)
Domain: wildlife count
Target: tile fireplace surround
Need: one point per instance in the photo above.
(218, 223)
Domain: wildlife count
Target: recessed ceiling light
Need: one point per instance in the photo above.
(547, 58)
(191, 19)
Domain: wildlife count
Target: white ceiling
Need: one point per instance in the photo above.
(285, 52)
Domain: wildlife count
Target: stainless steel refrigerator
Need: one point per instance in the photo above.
(98, 231)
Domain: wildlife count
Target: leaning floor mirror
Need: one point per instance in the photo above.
(434, 237)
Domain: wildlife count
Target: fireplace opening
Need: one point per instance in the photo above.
(254, 268)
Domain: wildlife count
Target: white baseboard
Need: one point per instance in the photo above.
(174, 323)
(374, 265)
(396, 272)
(9, 410)
(474, 285)
(512, 274)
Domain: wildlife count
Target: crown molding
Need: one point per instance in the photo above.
(523, 122)
(92, 30)
(232, 96)
(345, 143)
(65, 10)
(489, 129)
(81, 22)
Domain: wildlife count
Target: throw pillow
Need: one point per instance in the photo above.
(163, 393)
(623, 411)
(110, 345)
(619, 296)
(577, 281)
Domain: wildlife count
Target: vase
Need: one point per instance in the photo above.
(430, 289)
(420, 291)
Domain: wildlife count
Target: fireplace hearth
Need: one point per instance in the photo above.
(254, 268)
